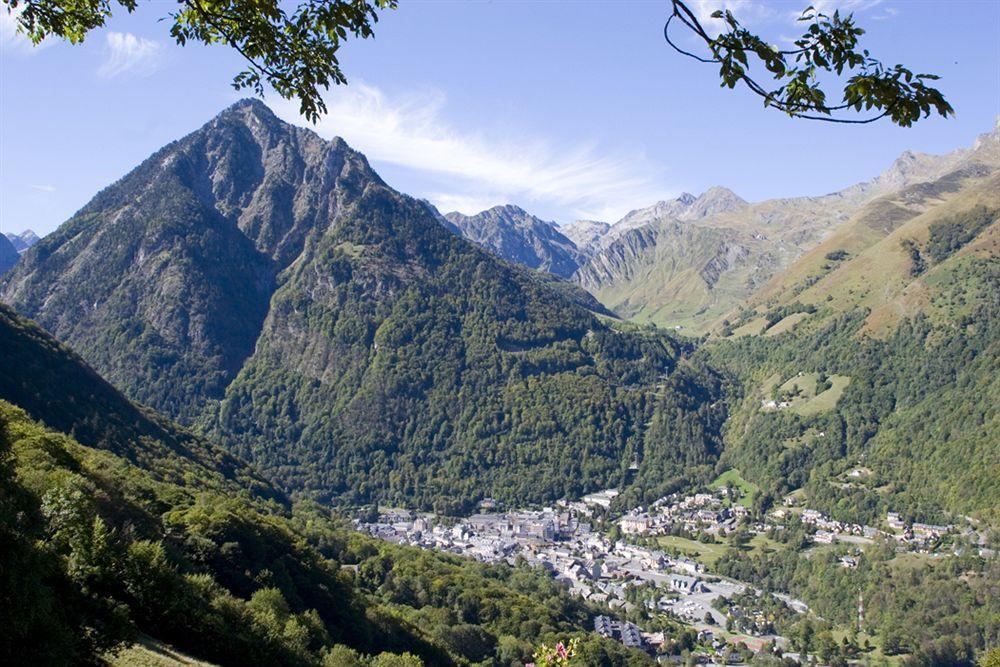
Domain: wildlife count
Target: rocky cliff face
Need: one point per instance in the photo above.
(585, 234)
(511, 233)
(163, 280)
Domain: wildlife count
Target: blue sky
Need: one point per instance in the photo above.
(572, 110)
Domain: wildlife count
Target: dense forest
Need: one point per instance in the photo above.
(138, 533)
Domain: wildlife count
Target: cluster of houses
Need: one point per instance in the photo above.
(701, 512)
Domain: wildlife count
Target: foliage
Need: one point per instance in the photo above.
(917, 411)
(294, 52)
(830, 45)
(560, 655)
(941, 611)
(948, 236)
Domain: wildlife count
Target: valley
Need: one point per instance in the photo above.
(269, 410)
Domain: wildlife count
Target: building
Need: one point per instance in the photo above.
(684, 584)
(634, 525)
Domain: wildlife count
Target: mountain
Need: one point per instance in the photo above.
(24, 240)
(8, 255)
(902, 251)
(883, 342)
(268, 286)
(115, 522)
(653, 269)
(513, 234)
(54, 385)
(585, 234)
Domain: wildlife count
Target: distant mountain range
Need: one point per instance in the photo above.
(512, 234)
(24, 240)
(267, 288)
(687, 262)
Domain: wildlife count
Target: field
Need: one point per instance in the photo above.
(787, 324)
(734, 478)
(703, 553)
(826, 400)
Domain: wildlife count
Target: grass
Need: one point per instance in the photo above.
(734, 478)
(786, 324)
(148, 652)
(826, 400)
(752, 328)
(699, 551)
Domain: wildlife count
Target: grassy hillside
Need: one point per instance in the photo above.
(901, 255)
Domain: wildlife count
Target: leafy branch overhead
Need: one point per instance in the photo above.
(829, 46)
(293, 52)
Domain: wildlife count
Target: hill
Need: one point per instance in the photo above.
(269, 287)
(879, 348)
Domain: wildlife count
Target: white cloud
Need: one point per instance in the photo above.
(44, 188)
(480, 170)
(128, 54)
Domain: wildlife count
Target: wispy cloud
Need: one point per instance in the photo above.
(483, 170)
(128, 54)
(44, 188)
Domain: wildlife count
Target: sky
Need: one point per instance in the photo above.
(572, 110)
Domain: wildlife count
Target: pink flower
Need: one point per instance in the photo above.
(561, 650)
(529, 664)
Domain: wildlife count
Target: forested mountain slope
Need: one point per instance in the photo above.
(269, 286)
(54, 385)
(879, 351)
(140, 532)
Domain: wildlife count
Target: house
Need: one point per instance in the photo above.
(823, 537)
(634, 525)
(930, 530)
(604, 626)
(684, 584)
(631, 637)
(895, 521)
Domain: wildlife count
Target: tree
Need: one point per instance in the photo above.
(294, 52)
(829, 45)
